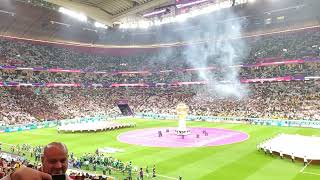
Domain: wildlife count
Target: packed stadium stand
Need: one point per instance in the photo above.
(288, 100)
(50, 71)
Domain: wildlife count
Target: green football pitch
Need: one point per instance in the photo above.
(228, 162)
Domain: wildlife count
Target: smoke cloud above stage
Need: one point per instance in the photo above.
(222, 49)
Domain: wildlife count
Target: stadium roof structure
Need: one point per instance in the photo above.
(110, 11)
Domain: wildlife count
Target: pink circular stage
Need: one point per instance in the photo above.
(199, 137)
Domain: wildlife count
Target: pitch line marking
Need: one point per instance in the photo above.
(305, 166)
(166, 176)
(311, 173)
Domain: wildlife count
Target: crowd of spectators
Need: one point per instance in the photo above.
(23, 76)
(41, 3)
(281, 100)
(303, 69)
(278, 100)
(286, 45)
(9, 162)
(297, 44)
(279, 47)
(285, 100)
(26, 105)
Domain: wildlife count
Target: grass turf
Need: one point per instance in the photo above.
(240, 161)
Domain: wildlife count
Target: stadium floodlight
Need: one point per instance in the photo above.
(179, 6)
(206, 10)
(100, 25)
(155, 13)
(181, 17)
(79, 16)
(60, 23)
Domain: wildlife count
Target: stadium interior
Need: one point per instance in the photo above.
(245, 64)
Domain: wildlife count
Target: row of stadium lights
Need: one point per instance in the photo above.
(146, 24)
(178, 18)
(181, 17)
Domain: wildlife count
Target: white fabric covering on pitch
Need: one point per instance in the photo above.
(299, 145)
(93, 126)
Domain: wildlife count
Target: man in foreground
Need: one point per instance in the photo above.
(54, 163)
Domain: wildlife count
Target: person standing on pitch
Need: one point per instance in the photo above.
(305, 161)
(147, 171)
(292, 157)
(270, 151)
(154, 171)
(141, 174)
(281, 155)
